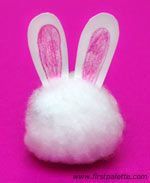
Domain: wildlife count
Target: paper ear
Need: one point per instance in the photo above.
(47, 44)
(97, 44)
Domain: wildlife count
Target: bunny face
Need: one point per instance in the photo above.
(72, 118)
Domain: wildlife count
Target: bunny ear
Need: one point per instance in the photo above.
(47, 44)
(97, 44)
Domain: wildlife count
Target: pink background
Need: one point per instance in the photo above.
(128, 79)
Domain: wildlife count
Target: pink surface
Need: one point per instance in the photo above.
(128, 79)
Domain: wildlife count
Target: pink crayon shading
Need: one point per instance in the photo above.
(49, 44)
(96, 53)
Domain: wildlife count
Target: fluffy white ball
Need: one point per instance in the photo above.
(72, 121)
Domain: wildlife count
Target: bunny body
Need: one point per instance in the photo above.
(71, 121)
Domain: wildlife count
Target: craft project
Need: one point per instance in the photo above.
(72, 118)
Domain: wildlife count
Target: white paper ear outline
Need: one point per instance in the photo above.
(33, 30)
(102, 20)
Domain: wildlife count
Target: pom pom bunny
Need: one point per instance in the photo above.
(72, 118)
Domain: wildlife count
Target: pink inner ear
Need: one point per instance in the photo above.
(49, 44)
(97, 50)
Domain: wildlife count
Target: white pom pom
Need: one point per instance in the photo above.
(72, 121)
